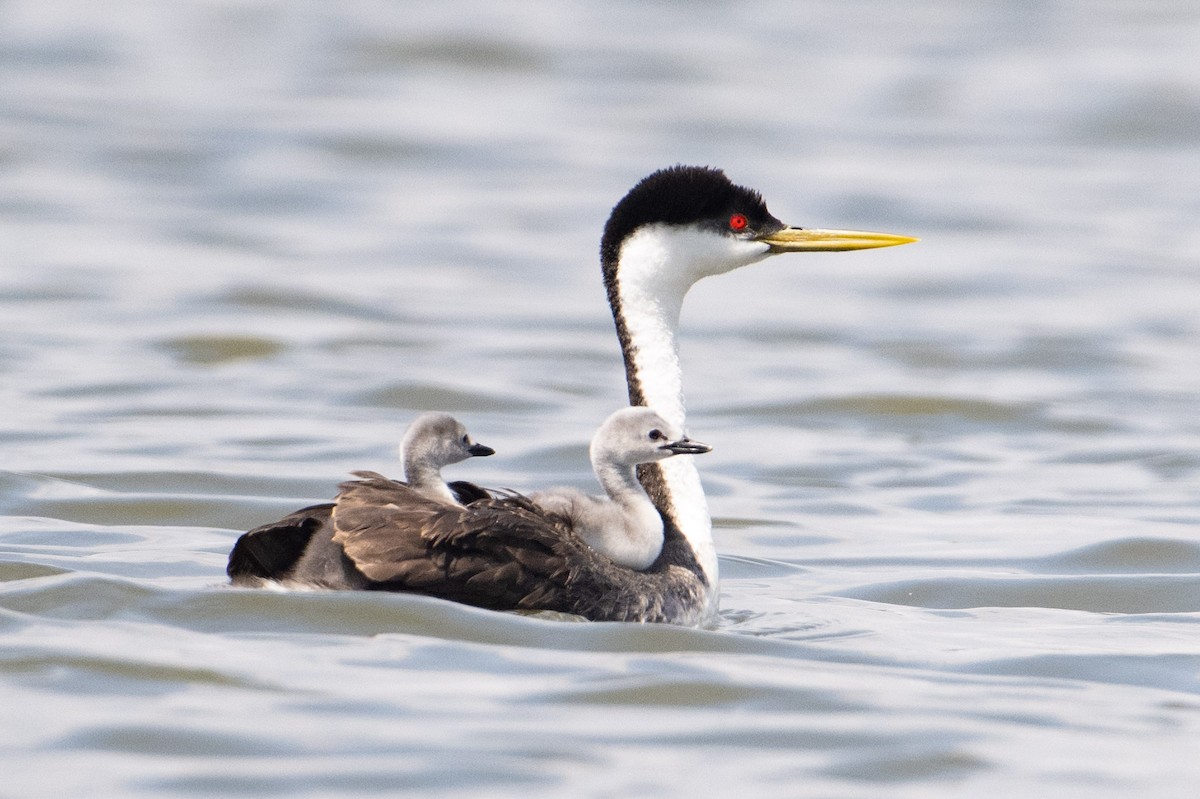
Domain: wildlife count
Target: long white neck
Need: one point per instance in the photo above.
(649, 293)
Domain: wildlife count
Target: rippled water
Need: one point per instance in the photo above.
(955, 484)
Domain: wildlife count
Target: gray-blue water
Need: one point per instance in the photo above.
(955, 484)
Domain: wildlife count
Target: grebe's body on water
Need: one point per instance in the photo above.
(673, 228)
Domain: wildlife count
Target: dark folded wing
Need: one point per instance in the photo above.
(501, 553)
(271, 551)
(493, 554)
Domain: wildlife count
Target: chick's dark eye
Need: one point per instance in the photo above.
(738, 223)
(656, 435)
(467, 439)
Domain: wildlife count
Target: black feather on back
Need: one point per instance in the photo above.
(272, 550)
(466, 493)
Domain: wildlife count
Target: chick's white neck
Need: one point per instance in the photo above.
(634, 535)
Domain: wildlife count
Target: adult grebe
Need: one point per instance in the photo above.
(673, 228)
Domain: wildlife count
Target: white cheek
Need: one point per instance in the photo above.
(675, 258)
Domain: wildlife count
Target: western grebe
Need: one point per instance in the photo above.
(672, 229)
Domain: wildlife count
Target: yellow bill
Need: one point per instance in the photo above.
(795, 239)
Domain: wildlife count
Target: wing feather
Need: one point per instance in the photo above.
(501, 552)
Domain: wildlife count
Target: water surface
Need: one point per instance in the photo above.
(955, 485)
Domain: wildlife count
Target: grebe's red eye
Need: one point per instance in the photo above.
(738, 222)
